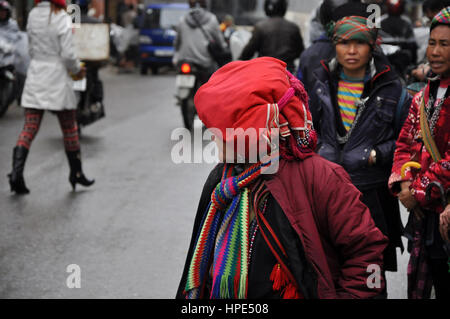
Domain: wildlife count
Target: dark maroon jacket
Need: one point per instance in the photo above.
(339, 238)
(336, 229)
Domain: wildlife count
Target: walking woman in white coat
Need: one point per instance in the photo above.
(49, 87)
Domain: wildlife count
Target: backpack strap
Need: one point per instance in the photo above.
(398, 112)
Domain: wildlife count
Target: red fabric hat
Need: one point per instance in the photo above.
(258, 94)
(60, 3)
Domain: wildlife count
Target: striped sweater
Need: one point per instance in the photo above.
(349, 91)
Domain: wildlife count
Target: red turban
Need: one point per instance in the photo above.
(257, 94)
(60, 3)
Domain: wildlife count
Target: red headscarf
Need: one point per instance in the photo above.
(258, 94)
(59, 3)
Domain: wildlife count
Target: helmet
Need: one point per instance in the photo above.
(327, 8)
(197, 3)
(275, 7)
(395, 7)
(5, 6)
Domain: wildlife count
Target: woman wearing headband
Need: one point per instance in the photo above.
(358, 106)
(425, 139)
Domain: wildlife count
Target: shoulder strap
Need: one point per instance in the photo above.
(201, 27)
(398, 112)
(427, 137)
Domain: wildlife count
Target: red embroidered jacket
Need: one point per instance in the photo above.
(409, 147)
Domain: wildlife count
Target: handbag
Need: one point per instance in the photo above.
(219, 54)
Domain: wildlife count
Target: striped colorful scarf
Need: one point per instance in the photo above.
(224, 237)
(443, 17)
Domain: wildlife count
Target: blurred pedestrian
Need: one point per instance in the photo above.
(358, 106)
(432, 7)
(425, 139)
(49, 87)
(129, 15)
(397, 30)
(196, 29)
(227, 27)
(275, 36)
(296, 232)
(90, 105)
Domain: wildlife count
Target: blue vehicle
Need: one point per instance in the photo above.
(157, 34)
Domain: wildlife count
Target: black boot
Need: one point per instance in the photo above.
(76, 173)
(16, 179)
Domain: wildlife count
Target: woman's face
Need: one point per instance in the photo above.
(438, 50)
(353, 55)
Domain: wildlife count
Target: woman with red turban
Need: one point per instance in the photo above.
(288, 224)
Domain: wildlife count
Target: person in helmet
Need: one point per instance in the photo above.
(397, 29)
(191, 41)
(9, 37)
(275, 36)
(9, 30)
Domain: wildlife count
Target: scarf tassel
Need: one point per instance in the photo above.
(291, 292)
(281, 283)
(278, 277)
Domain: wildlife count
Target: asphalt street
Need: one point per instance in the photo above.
(126, 236)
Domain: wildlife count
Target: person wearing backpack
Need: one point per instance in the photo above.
(194, 32)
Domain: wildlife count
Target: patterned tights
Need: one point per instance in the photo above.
(67, 121)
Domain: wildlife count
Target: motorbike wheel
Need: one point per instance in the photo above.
(188, 111)
(6, 91)
(144, 69)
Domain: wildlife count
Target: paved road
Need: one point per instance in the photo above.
(128, 233)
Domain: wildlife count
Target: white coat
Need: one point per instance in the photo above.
(48, 85)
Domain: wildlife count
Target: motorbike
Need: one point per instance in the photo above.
(188, 80)
(8, 88)
(399, 59)
(8, 79)
(89, 92)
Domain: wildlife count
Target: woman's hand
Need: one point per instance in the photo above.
(406, 197)
(408, 200)
(444, 223)
(421, 71)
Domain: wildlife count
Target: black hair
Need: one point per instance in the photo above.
(435, 5)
